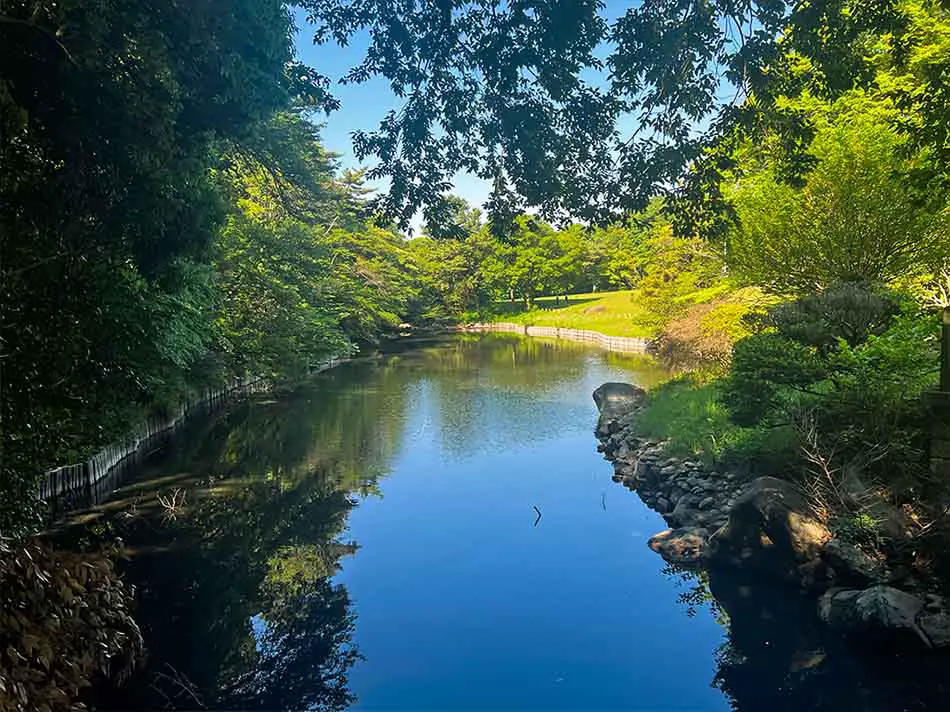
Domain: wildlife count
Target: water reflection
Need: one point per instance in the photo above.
(778, 657)
(236, 600)
(237, 537)
(234, 537)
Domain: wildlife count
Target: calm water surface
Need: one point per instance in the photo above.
(371, 541)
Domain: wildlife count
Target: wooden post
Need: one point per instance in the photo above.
(940, 408)
(945, 353)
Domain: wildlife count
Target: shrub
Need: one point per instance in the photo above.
(864, 399)
(771, 376)
(64, 620)
(704, 336)
(852, 311)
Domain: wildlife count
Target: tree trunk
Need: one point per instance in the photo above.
(945, 353)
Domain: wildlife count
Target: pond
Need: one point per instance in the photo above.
(433, 528)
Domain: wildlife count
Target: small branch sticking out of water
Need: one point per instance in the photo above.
(539, 516)
(603, 500)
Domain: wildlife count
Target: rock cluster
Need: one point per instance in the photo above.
(719, 518)
(884, 609)
(693, 499)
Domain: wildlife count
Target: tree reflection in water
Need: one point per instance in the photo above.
(235, 596)
(778, 657)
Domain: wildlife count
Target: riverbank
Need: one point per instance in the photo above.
(89, 482)
(767, 526)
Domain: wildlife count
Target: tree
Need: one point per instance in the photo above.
(503, 89)
(451, 218)
(110, 115)
(858, 217)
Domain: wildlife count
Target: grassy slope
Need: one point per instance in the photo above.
(611, 313)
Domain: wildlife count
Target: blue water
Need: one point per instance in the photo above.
(463, 602)
(371, 541)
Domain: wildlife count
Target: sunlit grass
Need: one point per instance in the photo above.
(611, 313)
(688, 414)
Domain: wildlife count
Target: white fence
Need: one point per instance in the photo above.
(94, 479)
(120, 457)
(623, 344)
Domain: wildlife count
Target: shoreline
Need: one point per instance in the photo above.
(764, 527)
(688, 494)
(95, 478)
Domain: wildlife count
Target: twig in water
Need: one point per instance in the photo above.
(181, 686)
(173, 504)
(539, 516)
(603, 500)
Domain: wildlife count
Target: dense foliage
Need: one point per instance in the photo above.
(169, 219)
(873, 208)
(537, 96)
(65, 620)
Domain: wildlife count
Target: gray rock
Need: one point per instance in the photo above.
(851, 565)
(772, 529)
(683, 513)
(873, 610)
(662, 505)
(890, 519)
(707, 503)
(684, 546)
(936, 627)
(615, 400)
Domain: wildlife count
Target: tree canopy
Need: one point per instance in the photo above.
(537, 96)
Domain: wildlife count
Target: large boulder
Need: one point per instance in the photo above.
(686, 547)
(772, 529)
(876, 610)
(852, 565)
(614, 400)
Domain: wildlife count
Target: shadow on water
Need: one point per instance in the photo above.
(777, 656)
(233, 535)
(232, 547)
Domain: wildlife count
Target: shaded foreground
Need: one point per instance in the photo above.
(751, 547)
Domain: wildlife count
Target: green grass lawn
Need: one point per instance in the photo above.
(611, 313)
